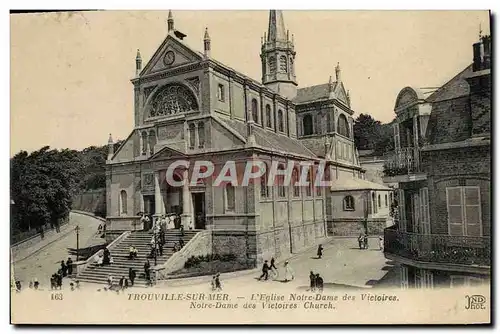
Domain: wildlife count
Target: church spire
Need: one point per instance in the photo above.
(278, 57)
(276, 30)
(206, 43)
(138, 63)
(170, 21)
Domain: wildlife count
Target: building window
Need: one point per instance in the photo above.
(272, 65)
(348, 203)
(307, 123)
(152, 142)
(220, 93)
(295, 180)
(172, 100)
(269, 123)
(264, 189)
(464, 281)
(201, 134)
(283, 67)
(318, 187)
(229, 196)
(255, 111)
(343, 126)
(464, 211)
(379, 201)
(123, 202)
(281, 182)
(144, 137)
(374, 202)
(310, 184)
(281, 126)
(192, 135)
(386, 204)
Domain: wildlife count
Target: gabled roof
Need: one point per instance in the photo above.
(347, 184)
(312, 93)
(454, 88)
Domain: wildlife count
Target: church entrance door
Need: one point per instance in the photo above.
(199, 210)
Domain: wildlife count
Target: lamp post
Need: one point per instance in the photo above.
(77, 229)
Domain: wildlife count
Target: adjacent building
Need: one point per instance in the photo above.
(442, 166)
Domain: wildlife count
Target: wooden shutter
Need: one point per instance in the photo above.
(402, 210)
(424, 211)
(472, 211)
(454, 202)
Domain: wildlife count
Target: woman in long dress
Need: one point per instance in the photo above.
(289, 275)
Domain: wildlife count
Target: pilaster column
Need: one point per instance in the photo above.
(159, 205)
(186, 203)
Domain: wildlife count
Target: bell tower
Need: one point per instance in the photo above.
(278, 57)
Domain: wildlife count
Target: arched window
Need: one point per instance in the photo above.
(264, 189)
(144, 137)
(269, 123)
(201, 134)
(295, 180)
(283, 66)
(192, 135)
(272, 65)
(386, 204)
(281, 126)
(310, 184)
(379, 202)
(343, 126)
(152, 142)
(281, 182)
(171, 100)
(255, 111)
(308, 125)
(229, 196)
(348, 203)
(123, 202)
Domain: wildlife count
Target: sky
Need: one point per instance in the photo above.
(70, 72)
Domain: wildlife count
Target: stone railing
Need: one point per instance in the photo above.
(438, 247)
(200, 244)
(403, 161)
(82, 265)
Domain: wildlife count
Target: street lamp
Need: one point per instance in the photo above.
(77, 229)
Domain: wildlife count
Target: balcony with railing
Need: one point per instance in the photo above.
(438, 251)
(403, 164)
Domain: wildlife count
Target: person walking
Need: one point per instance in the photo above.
(312, 281)
(360, 241)
(69, 265)
(319, 283)
(146, 270)
(273, 268)
(380, 243)
(289, 276)
(365, 241)
(265, 271)
(131, 275)
(218, 286)
(320, 251)
(63, 268)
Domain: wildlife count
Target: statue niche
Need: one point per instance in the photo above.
(172, 100)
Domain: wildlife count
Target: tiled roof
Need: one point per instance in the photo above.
(313, 93)
(454, 88)
(344, 184)
(280, 143)
(270, 140)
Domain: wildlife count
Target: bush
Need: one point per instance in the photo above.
(194, 261)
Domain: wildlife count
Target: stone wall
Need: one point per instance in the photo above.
(93, 201)
(353, 227)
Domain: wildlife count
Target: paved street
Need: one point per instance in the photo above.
(45, 262)
(343, 265)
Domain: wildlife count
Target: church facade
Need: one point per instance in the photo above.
(190, 107)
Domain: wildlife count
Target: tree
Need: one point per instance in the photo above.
(370, 134)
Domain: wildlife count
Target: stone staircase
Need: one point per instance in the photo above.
(121, 263)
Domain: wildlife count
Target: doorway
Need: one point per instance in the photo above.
(199, 210)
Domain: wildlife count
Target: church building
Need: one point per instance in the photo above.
(189, 106)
